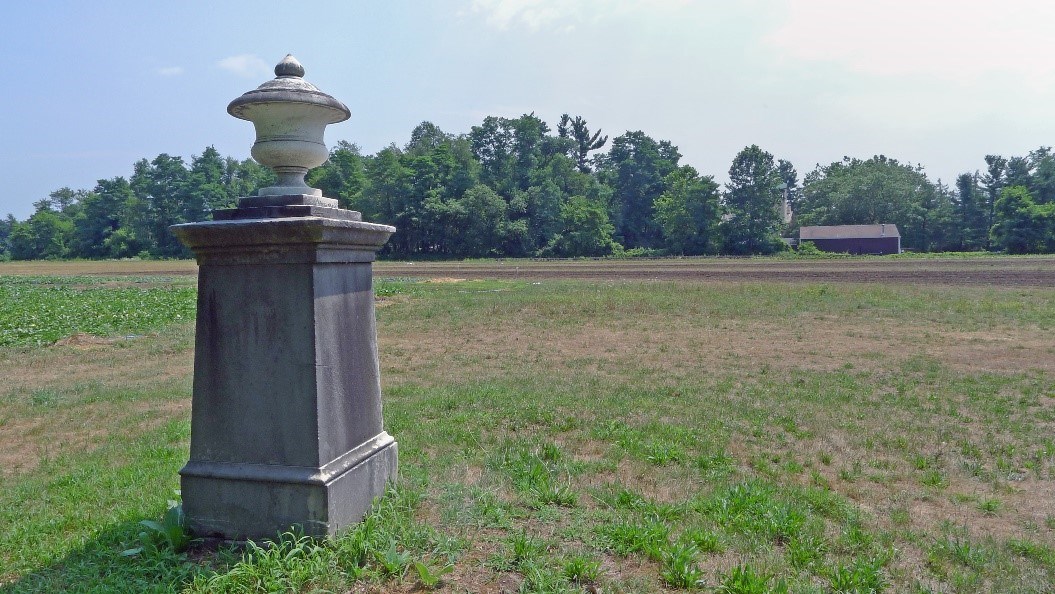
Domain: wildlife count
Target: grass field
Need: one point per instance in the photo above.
(573, 435)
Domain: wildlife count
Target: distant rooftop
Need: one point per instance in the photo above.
(848, 231)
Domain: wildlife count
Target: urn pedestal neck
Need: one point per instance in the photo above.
(290, 116)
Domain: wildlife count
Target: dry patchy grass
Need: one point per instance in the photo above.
(924, 411)
(72, 396)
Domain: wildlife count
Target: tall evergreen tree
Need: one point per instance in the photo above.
(995, 179)
(1042, 181)
(164, 187)
(577, 131)
(971, 214)
(208, 184)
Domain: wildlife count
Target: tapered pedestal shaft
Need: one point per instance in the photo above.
(286, 426)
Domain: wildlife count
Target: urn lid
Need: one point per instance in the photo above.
(288, 86)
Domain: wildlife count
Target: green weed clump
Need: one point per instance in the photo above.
(539, 473)
(431, 576)
(386, 545)
(743, 579)
(679, 568)
(863, 575)
(170, 533)
(582, 569)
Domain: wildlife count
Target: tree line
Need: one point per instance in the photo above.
(515, 187)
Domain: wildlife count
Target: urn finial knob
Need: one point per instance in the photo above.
(289, 66)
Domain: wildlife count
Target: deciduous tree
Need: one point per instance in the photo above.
(873, 191)
(688, 212)
(1023, 226)
(752, 204)
(635, 169)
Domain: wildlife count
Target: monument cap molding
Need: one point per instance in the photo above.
(288, 86)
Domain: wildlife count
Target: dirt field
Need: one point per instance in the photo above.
(1033, 271)
(997, 271)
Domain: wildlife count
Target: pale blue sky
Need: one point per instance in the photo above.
(91, 87)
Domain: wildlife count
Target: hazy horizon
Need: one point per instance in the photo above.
(93, 88)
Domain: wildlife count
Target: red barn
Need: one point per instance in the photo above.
(854, 239)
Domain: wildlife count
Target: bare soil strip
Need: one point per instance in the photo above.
(1029, 271)
(995, 271)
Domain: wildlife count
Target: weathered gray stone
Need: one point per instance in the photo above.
(286, 426)
(287, 200)
(277, 207)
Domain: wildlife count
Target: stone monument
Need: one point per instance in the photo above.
(286, 426)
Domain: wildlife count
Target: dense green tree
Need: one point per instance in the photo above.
(417, 190)
(877, 190)
(635, 168)
(1017, 171)
(510, 151)
(342, 176)
(388, 198)
(244, 178)
(688, 212)
(971, 214)
(530, 149)
(937, 216)
(65, 200)
(753, 215)
(492, 145)
(208, 184)
(163, 187)
(426, 137)
(101, 217)
(482, 217)
(1023, 226)
(431, 186)
(998, 171)
(46, 235)
(6, 226)
(1042, 180)
(542, 211)
(585, 230)
(552, 185)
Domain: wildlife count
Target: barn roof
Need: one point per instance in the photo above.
(848, 232)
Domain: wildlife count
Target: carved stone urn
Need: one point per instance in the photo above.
(290, 115)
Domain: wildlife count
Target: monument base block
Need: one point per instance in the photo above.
(243, 501)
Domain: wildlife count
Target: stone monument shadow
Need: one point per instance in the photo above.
(98, 565)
